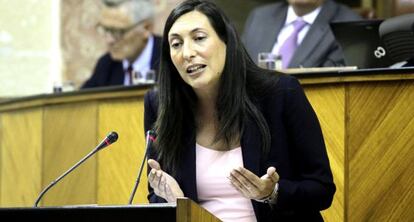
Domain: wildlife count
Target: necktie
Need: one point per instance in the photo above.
(129, 71)
(289, 46)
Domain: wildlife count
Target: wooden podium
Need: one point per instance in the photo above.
(185, 210)
(367, 118)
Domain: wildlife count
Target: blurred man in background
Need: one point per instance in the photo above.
(127, 26)
(298, 31)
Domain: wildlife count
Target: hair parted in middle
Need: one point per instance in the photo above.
(241, 82)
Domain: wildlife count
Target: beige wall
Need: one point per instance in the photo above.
(29, 46)
(46, 42)
(81, 45)
(49, 42)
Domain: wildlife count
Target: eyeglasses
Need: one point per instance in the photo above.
(114, 32)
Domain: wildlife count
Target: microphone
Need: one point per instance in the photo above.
(150, 138)
(112, 137)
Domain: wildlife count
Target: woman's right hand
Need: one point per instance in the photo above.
(164, 185)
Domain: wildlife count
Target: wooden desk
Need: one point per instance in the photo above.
(367, 118)
(184, 210)
(42, 136)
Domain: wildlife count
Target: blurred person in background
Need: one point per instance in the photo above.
(127, 26)
(298, 31)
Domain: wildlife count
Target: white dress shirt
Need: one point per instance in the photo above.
(143, 63)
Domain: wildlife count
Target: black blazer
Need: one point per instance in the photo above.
(297, 151)
(109, 72)
(318, 48)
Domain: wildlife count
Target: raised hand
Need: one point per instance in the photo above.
(250, 185)
(164, 185)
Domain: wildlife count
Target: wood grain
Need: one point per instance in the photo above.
(69, 134)
(381, 142)
(21, 146)
(368, 128)
(118, 166)
(328, 101)
(189, 211)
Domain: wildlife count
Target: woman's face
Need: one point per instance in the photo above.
(197, 51)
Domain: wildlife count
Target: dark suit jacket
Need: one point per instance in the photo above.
(109, 72)
(297, 151)
(317, 49)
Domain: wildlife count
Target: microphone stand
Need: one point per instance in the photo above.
(150, 137)
(63, 175)
(134, 190)
(109, 139)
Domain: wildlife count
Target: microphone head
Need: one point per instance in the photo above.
(112, 137)
(151, 135)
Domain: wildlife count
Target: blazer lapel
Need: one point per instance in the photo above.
(251, 151)
(156, 51)
(315, 35)
(251, 148)
(117, 78)
(187, 177)
(271, 28)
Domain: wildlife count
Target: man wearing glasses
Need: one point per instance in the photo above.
(133, 50)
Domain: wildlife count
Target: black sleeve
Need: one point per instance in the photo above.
(314, 187)
(150, 110)
(93, 80)
(150, 116)
(100, 73)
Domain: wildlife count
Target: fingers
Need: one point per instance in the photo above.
(249, 176)
(246, 179)
(157, 181)
(271, 171)
(169, 196)
(272, 174)
(154, 164)
(155, 174)
(163, 184)
(250, 185)
(154, 178)
(241, 181)
(239, 187)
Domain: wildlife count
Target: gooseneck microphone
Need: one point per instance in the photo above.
(149, 139)
(109, 139)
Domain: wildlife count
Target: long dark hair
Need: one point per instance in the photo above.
(240, 83)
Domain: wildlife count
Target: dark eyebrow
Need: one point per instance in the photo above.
(192, 31)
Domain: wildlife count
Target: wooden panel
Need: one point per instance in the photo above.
(119, 164)
(189, 211)
(381, 142)
(70, 134)
(20, 157)
(86, 95)
(335, 79)
(328, 102)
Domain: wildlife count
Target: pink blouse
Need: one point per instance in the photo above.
(215, 192)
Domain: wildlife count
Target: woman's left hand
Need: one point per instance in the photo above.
(251, 186)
